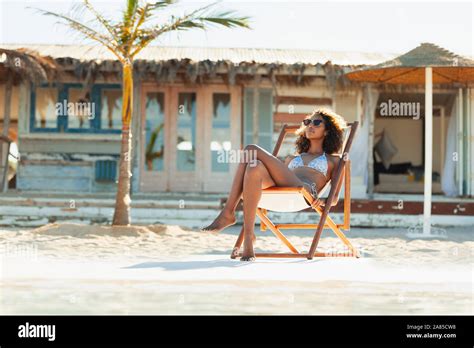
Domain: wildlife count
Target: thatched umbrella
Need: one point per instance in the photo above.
(426, 64)
(15, 66)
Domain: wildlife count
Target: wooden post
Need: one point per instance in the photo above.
(428, 150)
(371, 120)
(6, 127)
(460, 143)
(468, 141)
(443, 140)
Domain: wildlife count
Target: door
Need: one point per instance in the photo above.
(186, 147)
(222, 140)
(186, 134)
(155, 134)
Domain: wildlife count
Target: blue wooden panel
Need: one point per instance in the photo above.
(54, 184)
(55, 171)
(101, 186)
(52, 177)
(106, 170)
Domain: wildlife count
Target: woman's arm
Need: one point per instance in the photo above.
(333, 177)
(321, 202)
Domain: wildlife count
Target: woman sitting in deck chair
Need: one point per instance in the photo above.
(320, 136)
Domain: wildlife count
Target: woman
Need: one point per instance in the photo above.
(319, 137)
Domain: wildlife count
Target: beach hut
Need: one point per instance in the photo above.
(195, 107)
(427, 64)
(17, 65)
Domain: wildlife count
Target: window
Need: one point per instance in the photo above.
(111, 109)
(44, 110)
(80, 109)
(73, 108)
(185, 141)
(154, 131)
(220, 137)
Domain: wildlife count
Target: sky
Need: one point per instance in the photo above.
(374, 26)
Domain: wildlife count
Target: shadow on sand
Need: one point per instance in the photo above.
(183, 265)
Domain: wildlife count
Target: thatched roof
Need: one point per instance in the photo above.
(26, 64)
(408, 68)
(427, 54)
(215, 54)
(196, 64)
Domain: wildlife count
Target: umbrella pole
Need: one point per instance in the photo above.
(428, 150)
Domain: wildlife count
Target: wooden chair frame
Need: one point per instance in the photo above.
(342, 173)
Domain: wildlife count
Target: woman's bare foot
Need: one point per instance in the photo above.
(248, 254)
(248, 258)
(222, 221)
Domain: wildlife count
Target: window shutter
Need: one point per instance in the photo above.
(265, 117)
(265, 121)
(248, 112)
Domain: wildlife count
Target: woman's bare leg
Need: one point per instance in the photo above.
(227, 216)
(256, 178)
(280, 173)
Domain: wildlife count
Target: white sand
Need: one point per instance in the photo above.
(81, 269)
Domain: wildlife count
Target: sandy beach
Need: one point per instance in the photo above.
(159, 269)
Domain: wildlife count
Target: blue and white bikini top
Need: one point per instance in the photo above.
(319, 163)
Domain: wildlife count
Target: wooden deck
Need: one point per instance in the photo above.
(401, 206)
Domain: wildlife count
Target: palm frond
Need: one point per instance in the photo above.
(196, 19)
(144, 12)
(160, 4)
(105, 22)
(126, 27)
(130, 12)
(86, 31)
(226, 19)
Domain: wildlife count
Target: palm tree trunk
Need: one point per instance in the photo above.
(122, 199)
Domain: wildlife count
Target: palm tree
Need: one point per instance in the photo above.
(125, 39)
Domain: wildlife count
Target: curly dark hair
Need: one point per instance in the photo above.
(334, 125)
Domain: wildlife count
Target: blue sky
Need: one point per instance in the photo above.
(382, 26)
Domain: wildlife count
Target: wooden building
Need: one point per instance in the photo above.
(192, 105)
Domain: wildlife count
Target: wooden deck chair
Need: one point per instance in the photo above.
(293, 199)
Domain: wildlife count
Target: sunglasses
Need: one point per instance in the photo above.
(316, 123)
